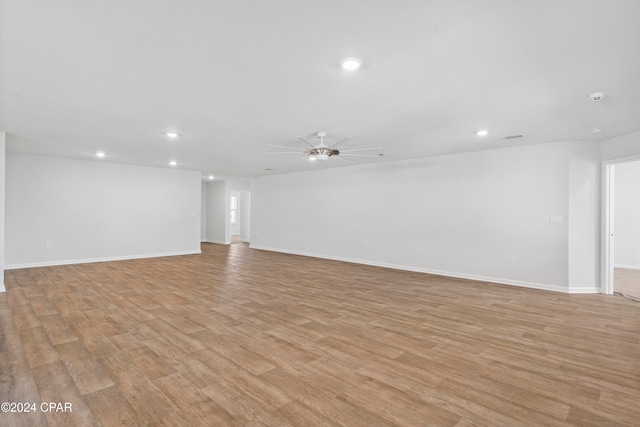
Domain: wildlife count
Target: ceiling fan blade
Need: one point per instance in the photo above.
(283, 152)
(284, 146)
(371, 147)
(340, 141)
(302, 139)
(342, 158)
(362, 155)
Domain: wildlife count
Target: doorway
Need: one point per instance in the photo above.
(621, 239)
(239, 201)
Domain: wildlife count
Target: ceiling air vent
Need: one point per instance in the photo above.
(514, 136)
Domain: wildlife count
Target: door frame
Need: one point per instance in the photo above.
(608, 217)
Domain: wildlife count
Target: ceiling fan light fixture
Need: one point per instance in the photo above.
(351, 63)
(322, 151)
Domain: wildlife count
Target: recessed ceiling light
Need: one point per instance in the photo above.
(100, 154)
(313, 158)
(482, 132)
(351, 64)
(173, 163)
(597, 130)
(171, 134)
(211, 177)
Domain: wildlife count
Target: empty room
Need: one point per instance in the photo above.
(336, 213)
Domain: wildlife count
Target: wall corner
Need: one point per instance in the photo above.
(3, 145)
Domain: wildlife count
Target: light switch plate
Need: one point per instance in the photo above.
(554, 219)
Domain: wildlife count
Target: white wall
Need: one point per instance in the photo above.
(482, 215)
(217, 213)
(585, 171)
(203, 212)
(62, 211)
(627, 215)
(2, 206)
(245, 209)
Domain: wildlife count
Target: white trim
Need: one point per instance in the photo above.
(606, 274)
(2, 289)
(90, 260)
(585, 290)
(498, 280)
(219, 242)
(628, 267)
(618, 160)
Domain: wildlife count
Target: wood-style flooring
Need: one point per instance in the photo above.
(241, 337)
(626, 282)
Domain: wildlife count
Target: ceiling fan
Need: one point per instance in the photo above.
(322, 151)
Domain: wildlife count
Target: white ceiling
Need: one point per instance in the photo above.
(232, 76)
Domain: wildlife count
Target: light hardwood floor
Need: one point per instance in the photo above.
(237, 337)
(627, 282)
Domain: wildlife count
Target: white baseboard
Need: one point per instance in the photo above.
(219, 242)
(628, 267)
(89, 260)
(498, 280)
(585, 290)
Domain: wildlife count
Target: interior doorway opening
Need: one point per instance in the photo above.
(621, 227)
(239, 218)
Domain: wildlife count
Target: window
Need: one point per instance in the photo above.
(234, 210)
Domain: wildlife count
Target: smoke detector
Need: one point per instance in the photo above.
(596, 96)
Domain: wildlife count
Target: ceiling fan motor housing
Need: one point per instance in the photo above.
(324, 151)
